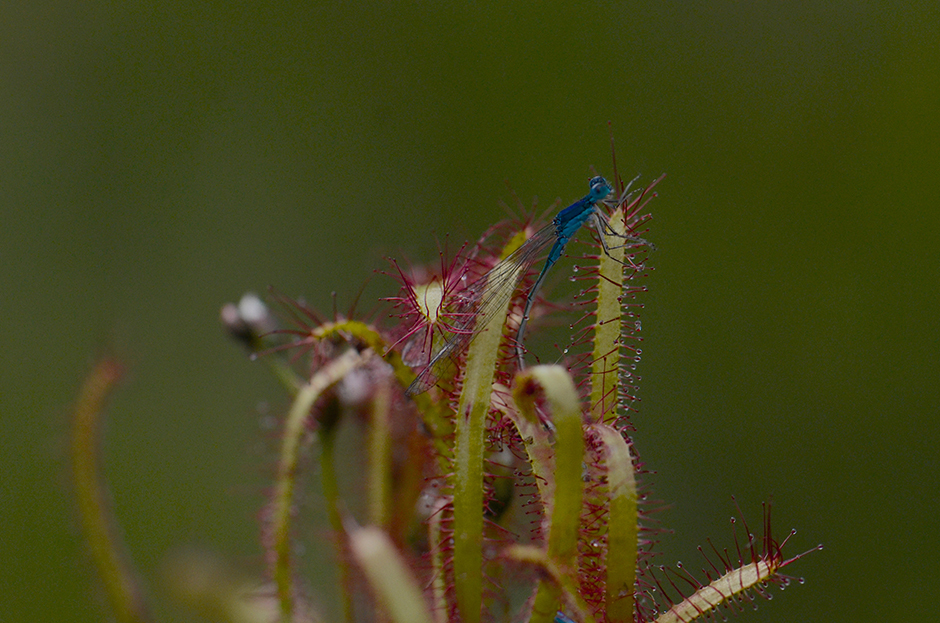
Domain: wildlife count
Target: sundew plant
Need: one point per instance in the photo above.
(500, 490)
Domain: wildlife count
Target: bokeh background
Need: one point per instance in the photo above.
(159, 159)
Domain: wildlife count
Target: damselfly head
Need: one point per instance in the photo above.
(600, 188)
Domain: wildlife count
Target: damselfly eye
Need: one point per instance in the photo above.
(600, 187)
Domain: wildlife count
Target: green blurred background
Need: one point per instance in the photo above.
(157, 160)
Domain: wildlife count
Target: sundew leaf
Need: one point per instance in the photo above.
(564, 408)
(622, 527)
(473, 406)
